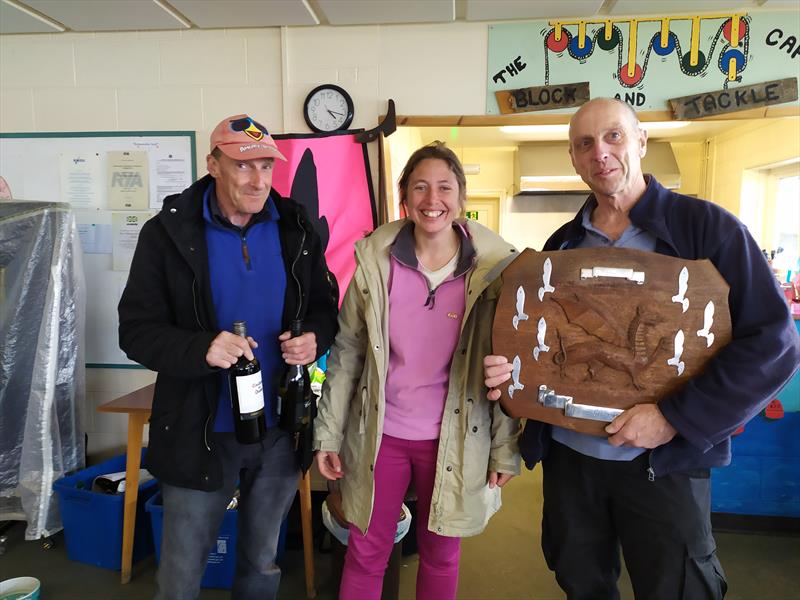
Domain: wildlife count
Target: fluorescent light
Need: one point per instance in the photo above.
(522, 129)
(173, 13)
(36, 15)
(550, 178)
(662, 125)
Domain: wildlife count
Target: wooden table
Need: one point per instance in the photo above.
(138, 405)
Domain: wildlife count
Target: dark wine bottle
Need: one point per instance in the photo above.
(294, 393)
(247, 396)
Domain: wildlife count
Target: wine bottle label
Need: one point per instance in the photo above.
(251, 393)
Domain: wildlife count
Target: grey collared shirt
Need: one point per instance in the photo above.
(637, 239)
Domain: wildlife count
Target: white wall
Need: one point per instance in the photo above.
(753, 145)
(190, 80)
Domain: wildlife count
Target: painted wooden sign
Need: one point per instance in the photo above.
(645, 60)
(591, 332)
(734, 99)
(544, 97)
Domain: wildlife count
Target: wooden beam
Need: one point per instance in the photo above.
(736, 99)
(558, 118)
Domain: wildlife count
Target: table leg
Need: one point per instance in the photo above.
(136, 423)
(308, 539)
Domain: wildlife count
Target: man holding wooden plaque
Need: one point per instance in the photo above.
(687, 367)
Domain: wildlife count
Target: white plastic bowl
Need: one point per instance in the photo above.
(20, 588)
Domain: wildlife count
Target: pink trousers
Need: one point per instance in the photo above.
(400, 461)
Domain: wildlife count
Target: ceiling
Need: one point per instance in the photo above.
(51, 16)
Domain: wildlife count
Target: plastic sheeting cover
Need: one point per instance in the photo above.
(42, 379)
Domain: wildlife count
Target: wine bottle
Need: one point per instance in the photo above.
(247, 396)
(294, 393)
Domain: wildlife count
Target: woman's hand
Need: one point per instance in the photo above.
(498, 479)
(329, 465)
(496, 370)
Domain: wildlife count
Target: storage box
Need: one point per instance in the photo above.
(93, 521)
(221, 565)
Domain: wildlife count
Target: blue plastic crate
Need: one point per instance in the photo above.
(93, 521)
(221, 565)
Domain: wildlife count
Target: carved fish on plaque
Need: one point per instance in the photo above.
(594, 331)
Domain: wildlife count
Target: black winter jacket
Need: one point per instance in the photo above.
(167, 322)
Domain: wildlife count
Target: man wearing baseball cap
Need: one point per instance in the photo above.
(228, 248)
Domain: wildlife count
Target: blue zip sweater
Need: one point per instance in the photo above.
(764, 352)
(248, 283)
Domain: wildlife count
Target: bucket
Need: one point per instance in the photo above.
(20, 588)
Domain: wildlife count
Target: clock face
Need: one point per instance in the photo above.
(328, 108)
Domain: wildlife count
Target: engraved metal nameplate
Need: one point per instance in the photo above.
(629, 274)
(593, 413)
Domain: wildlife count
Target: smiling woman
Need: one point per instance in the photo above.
(433, 190)
(419, 365)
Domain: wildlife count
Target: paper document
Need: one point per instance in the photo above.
(128, 180)
(125, 228)
(80, 179)
(173, 175)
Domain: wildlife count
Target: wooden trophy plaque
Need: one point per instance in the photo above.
(594, 331)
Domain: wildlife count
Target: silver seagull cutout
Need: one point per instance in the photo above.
(683, 285)
(520, 316)
(516, 385)
(546, 287)
(708, 321)
(542, 331)
(676, 361)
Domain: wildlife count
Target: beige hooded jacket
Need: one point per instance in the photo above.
(476, 436)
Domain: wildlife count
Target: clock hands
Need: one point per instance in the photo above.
(333, 113)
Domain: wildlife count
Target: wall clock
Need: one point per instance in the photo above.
(328, 108)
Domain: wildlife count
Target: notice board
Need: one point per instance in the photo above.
(114, 182)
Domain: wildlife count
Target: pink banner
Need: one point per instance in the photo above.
(329, 175)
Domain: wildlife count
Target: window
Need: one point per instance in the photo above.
(786, 223)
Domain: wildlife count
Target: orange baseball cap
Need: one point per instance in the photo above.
(242, 138)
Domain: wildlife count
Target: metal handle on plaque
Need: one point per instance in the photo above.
(549, 399)
(629, 274)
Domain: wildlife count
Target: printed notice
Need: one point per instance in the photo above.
(80, 179)
(172, 177)
(95, 237)
(94, 230)
(125, 228)
(128, 181)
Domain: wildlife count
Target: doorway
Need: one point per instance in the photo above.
(485, 209)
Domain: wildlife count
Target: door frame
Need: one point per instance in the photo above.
(493, 194)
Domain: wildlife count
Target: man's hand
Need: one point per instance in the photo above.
(329, 465)
(496, 370)
(641, 426)
(227, 347)
(301, 350)
(498, 479)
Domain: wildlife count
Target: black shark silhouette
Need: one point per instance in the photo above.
(306, 191)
